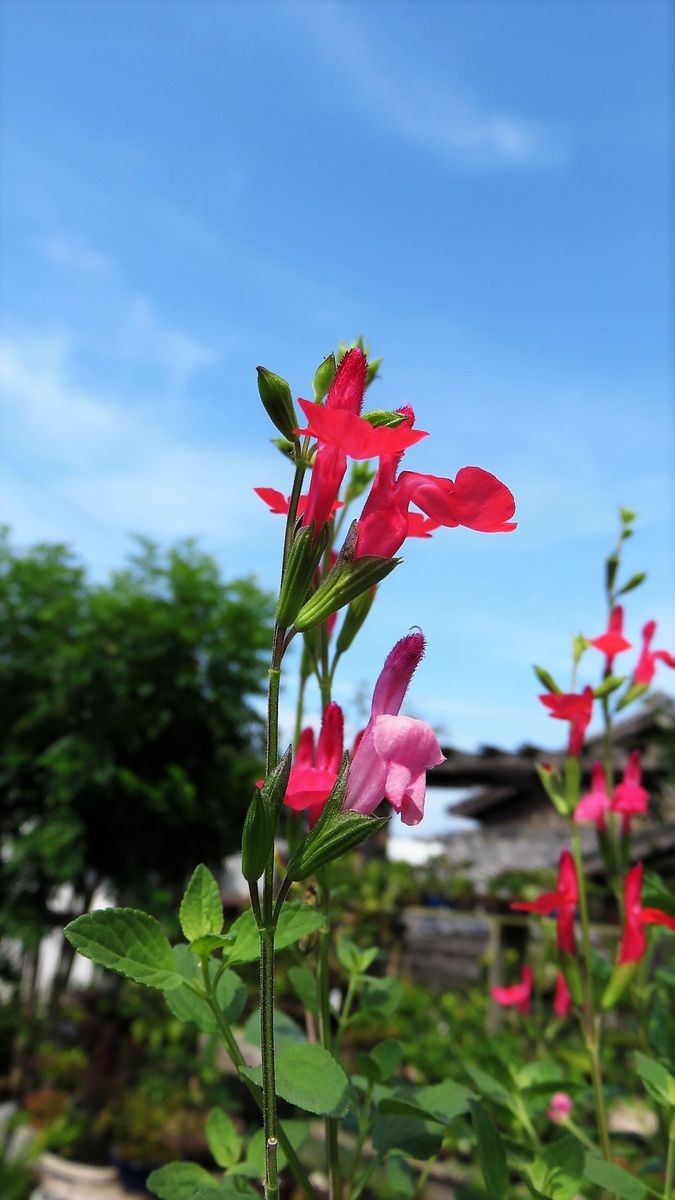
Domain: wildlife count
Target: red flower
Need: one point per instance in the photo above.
(475, 499)
(562, 1000)
(280, 504)
(355, 436)
(629, 795)
(634, 942)
(612, 642)
(575, 708)
(518, 994)
(564, 899)
(594, 804)
(330, 462)
(314, 772)
(646, 665)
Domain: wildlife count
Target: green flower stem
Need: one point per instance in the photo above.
(346, 1009)
(232, 1047)
(366, 1176)
(579, 1133)
(364, 1119)
(330, 1124)
(590, 1025)
(669, 1190)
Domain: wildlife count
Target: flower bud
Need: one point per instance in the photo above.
(323, 378)
(261, 820)
(303, 559)
(619, 981)
(354, 618)
(336, 832)
(278, 402)
(547, 679)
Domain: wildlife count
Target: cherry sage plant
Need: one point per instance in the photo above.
(317, 801)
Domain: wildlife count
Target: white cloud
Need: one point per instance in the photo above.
(146, 338)
(74, 255)
(94, 461)
(424, 114)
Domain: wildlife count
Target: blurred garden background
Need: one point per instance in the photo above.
(484, 191)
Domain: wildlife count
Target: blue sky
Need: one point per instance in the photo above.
(482, 189)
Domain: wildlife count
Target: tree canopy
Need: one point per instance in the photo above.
(130, 741)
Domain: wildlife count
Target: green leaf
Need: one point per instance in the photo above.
(201, 910)
(231, 995)
(657, 1079)
(608, 685)
(178, 1181)
(445, 1101)
(614, 1179)
(491, 1153)
(546, 679)
(297, 921)
(611, 568)
(208, 943)
(401, 1177)
(297, 1132)
(489, 1086)
(307, 1075)
(285, 1029)
(233, 1187)
(418, 1138)
(633, 582)
(558, 1171)
(382, 1061)
(128, 941)
(632, 693)
(223, 1139)
(304, 984)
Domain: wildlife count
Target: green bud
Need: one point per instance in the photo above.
(261, 818)
(611, 568)
(632, 693)
(626, 533)
(303, 559)
(627, 515)
(373, 370)
(278, 402)
(335, 833)
(379, 417)
(354, 618)
(608, 685)
(633, 582)
(323, 378)
(346, 582)
(621, 977)
(546, 679)
(287, 448)
(580, 645)
(550, 781)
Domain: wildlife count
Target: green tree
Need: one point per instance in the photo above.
(129, 740)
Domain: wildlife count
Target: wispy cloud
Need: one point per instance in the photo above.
(74, 255)
(110, 463)
(433, 118)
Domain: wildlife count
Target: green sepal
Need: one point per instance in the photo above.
(608, 685)
(287, 448)
(621, 977)
(303, 559)
(349, 578)
(260, 822)
(633, 582)
(335, 833)
(382, 417)
(632, 693)
(546, 679)
(323, 378)
(611, 568)
(278, 402)
(550, 781)
(355, 617)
